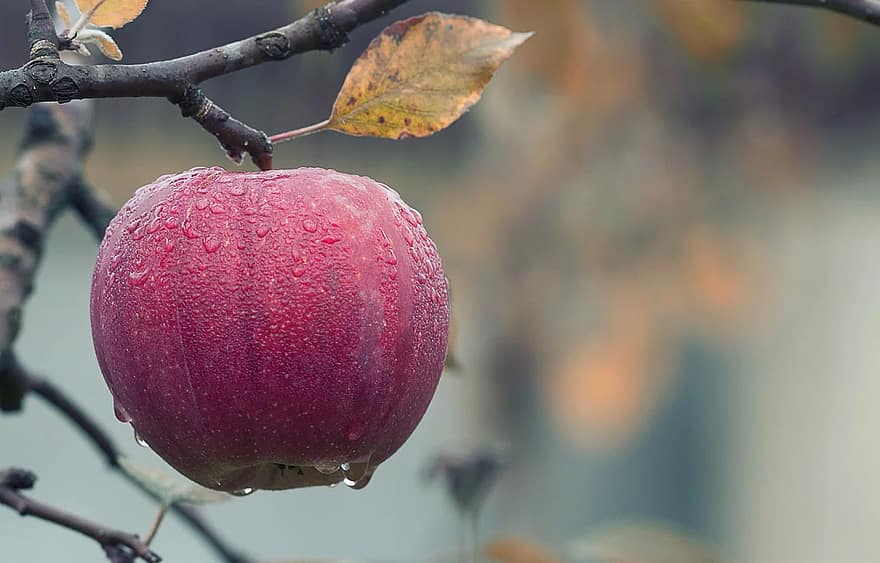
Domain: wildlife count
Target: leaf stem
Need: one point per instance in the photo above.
(302, 132)
(84, 20)
(154, 529)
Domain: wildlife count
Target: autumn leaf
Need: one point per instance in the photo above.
(104, 42)
(111, 13)
(418, 77)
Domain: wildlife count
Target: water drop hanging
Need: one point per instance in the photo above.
(140, 440)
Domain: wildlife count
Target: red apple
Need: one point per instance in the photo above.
(270, 330)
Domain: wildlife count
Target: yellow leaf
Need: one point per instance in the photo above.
(111, 13)
(420, 75)
(104, 42)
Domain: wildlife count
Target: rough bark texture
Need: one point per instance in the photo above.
(48, 169)
(46, 78)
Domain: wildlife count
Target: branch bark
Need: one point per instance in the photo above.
(105, 445)
(42, 39)
(49, 166)
(12, 481)
(865, 10)
(46, 179)
(45, 78)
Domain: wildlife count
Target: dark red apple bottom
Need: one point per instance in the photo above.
(270, 330)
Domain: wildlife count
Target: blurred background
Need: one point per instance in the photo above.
(659, 226)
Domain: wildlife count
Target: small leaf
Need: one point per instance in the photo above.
(194, 494)
(111, 13)
(167, 488)
(420, 75)
(105, 43)
(63, 14)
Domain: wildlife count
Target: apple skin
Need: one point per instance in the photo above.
(260, 330)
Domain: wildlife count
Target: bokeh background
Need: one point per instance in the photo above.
(660, 227)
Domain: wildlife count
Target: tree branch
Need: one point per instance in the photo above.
(105, 445)
(47, 178)
(48, 167)
(93, 207)
(42, 39)
(865, 10)
(14, 480)
(326, 28)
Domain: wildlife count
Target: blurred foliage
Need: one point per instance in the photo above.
(641, 543)
(599, 214)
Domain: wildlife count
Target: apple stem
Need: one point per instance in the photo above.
(302, 132)
(154, 529)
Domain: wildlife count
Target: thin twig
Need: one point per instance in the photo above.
(326, 28)
(48, 178)
(865, 10)
(110, 452)
(301, 132)
(154, 528)
(13, 480)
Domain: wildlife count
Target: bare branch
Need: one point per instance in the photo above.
(42, 39)
(94, 208)
(110, 452)
(865, 10)
(327, 28)
(47, 178)
(12, 481)
(49, 166)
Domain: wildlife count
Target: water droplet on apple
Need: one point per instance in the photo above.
(262, 230)
(140, 440)
(237, 189)
(356, 481)
(243, 492)
(310, 225)
(413, 218)
(139, 277)
(120, 412)
(211, 245)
